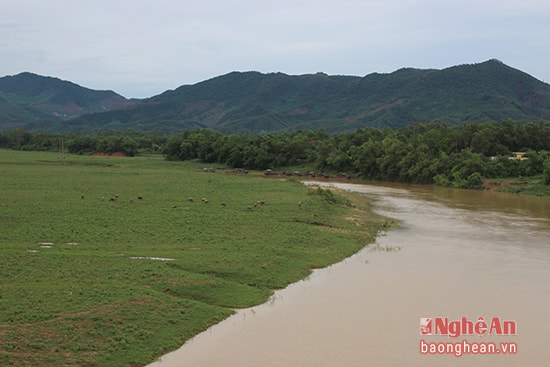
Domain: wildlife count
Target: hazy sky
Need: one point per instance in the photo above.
(140, 48)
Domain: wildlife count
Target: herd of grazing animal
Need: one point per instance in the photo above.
(190, 199)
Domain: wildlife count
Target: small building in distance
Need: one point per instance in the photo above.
(519, 156)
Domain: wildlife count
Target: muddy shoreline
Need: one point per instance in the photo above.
(461, 253)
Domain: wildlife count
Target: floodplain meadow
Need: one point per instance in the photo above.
(114, 261)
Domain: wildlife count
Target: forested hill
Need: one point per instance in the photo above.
(252, 102)
(30, 98)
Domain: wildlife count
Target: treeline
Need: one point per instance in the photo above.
(421, 153)
(108, 142)
(435, 153)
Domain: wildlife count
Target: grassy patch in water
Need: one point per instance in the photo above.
(86, 281)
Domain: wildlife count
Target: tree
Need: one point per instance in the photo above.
(485, 140)
(467, 163)
(18, 137)
(535, 162)
(366, 158)
(172, 150)
(81, 144)
(546, 172)
(474, 181)
(393, 152)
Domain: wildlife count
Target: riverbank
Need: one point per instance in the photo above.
(529, 185)
(456, 253)
(114, 261)
(519, 185)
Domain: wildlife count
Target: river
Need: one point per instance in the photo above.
(455, 254)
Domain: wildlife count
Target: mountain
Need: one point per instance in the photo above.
(252, 102)
(29, 98)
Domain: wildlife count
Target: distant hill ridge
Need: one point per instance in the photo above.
(27, 98)
(252, 102)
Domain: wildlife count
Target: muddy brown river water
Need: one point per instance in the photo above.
(457, 255)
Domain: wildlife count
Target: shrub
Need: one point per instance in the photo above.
(474, 181)
(441, 180)
(546, 172)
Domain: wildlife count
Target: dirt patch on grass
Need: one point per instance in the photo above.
(495, 185)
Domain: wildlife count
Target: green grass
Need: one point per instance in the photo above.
(86, 301)
(533, 185)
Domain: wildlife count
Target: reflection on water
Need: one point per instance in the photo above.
(463, 253)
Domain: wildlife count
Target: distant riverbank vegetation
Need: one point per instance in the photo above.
(464, 156)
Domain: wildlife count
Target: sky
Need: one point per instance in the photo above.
(141, 48)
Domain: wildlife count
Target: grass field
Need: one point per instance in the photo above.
(85, 281)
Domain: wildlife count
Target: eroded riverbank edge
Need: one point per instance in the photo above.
(367, 227)
(366, 308)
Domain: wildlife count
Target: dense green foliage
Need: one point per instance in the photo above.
(82, 281)
(40, 100)
(108, 142)
(546, 172)
(256, 103)
(459, 156)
